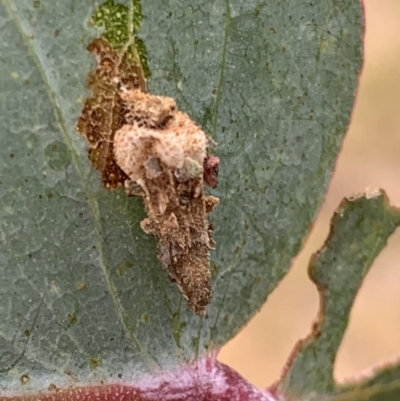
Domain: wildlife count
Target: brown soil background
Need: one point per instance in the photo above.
(370, 159)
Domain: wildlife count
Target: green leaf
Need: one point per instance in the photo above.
(82, 295)
(383, 385)
(359, 230)
(121, 23)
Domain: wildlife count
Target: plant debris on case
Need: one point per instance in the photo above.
(144, 143)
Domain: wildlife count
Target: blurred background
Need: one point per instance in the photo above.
(370, 159)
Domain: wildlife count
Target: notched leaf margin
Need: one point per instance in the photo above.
(280, 387)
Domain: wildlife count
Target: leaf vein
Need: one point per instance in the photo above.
(221, 67)
(93, 205)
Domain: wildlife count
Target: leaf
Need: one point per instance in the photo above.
(385, 386)
(359, 230)
(83, 298)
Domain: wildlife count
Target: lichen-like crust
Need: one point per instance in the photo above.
(163, 151)
(144, 143)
